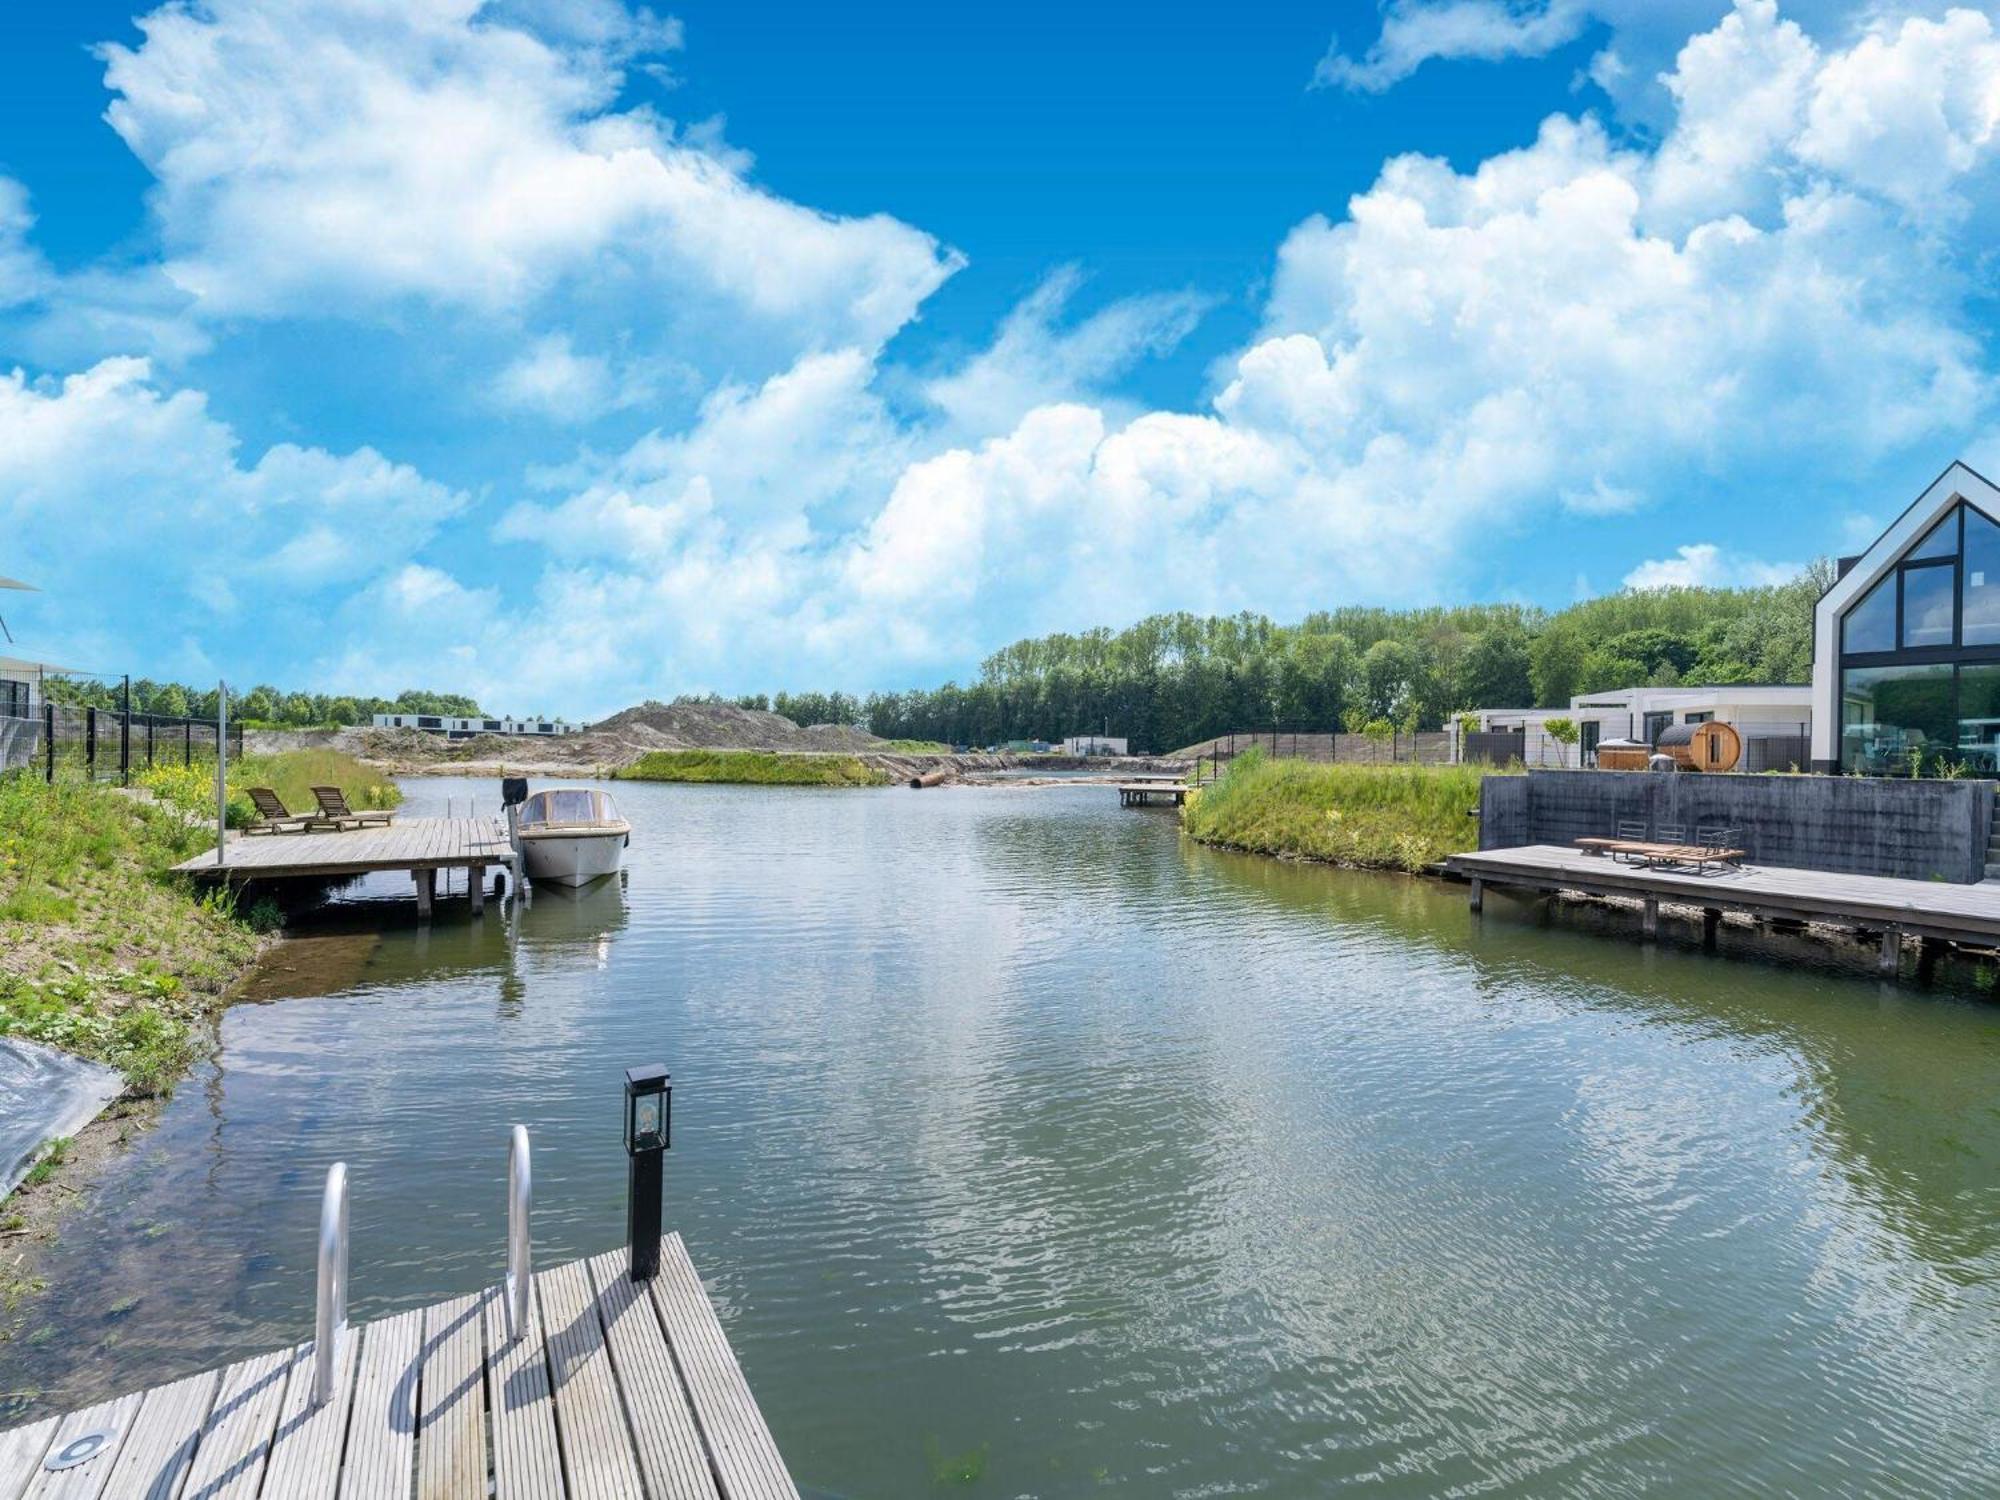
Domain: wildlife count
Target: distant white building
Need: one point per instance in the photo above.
(457, 728)
(1774, 719)
(1094, 744)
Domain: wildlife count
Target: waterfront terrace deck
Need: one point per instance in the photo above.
(422, 846)
(613, 1389)
(1932, 910)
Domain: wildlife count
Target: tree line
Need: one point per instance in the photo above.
(1177, 679)
(262, 704)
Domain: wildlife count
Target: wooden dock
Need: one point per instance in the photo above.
(613, 1389)
(1143, 793)
(421, 846)
(1931, 910)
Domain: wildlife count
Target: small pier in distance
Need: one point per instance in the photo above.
(1144, 793)
(1934, 912)
(421, 846)
(613, 1388)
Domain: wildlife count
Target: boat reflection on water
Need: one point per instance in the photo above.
(371, 941)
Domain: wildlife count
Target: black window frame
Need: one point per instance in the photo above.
(1954, 655)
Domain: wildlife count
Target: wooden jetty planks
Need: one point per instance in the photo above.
(306, 1449)
(597, 1449)
(613, 1390)
(1921, 907)
(86, 1481)
(382, 1430)
(527, 1460)
(663, 1425)
(236, 1439)
(156, 1457)
(21, 1452)
(740, 1445)
(451, 1431)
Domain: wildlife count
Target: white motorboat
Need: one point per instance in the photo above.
(571, 835)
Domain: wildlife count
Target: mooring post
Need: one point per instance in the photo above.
(1711, 919)
(1649, 918)
(1476, 898)
(426, 889)
(1890, 960)
(475, 886)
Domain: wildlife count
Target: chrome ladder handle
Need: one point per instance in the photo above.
(520, 1200)
(330, 1320)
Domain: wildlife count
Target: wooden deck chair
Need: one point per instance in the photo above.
(334, 812)
(273, 816)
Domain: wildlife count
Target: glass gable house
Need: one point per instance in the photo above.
(1920, 656)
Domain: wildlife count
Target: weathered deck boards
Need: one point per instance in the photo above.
(613, 1390)
(406, 844)
(1916, 908)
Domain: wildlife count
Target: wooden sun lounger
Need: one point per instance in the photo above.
(1640, 852)
(274, 817)
(334, 813)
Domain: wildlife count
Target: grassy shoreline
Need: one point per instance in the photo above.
(753, 768)
(1369, 817)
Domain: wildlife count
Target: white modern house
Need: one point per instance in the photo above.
(1774, 720)
(1094, 744)
(21, 679)
(1906, 644)
(458, 728)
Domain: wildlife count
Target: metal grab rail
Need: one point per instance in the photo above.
(330, 1320)
(520, 1200)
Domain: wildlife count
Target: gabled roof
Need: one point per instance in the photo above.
(1959, 482)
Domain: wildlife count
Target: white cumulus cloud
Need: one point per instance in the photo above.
(1705, 565)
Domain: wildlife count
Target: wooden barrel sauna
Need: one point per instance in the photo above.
(1622, 755)
(1707, 746)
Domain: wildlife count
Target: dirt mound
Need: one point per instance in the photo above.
(724, 726)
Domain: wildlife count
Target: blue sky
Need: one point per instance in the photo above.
(571, 353)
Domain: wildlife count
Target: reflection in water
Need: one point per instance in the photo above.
(1008, 1123)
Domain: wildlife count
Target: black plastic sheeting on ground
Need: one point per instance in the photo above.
(44, 1095)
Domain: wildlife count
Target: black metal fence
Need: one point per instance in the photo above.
(1287, 742)
(98, 744)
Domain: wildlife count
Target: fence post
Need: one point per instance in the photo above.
(90, 744)
(49, 738)
(149, 742)
(125, 734)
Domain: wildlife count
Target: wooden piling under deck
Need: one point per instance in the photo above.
(1891, 910)
(614, 1388)
(1143, 793)
(419, 846)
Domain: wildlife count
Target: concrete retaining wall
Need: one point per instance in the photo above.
(1914, 830)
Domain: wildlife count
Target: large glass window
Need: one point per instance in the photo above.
(1871, 624)
(1895, 718)
(1979, 716)
(1940, 541)
(1927, 605)
(1981, 622)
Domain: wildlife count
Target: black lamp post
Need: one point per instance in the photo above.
(649, 1097)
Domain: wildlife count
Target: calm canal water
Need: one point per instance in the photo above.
(1022, 1140)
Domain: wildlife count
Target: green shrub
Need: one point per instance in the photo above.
(753, 768)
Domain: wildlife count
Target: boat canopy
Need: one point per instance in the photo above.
(568, 804)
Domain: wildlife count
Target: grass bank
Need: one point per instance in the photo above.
(753, 768)
(102, 953)
(1376, 817)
